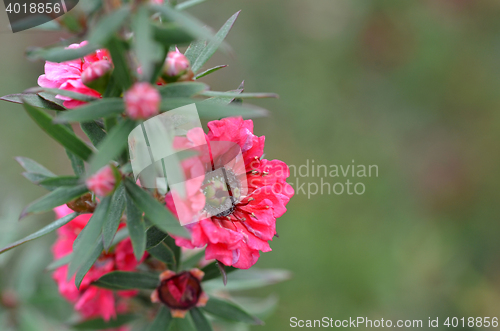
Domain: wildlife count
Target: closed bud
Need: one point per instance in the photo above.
(104, 181)
(180, 292)
(142, 101)
(96, 76)
(177, 67)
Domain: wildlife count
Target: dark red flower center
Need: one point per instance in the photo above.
(181, 291)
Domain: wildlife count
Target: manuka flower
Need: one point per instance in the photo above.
(180, 292)
(242, 222)
(91, 301)
(67, 75)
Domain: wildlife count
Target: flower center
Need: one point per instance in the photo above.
(222, 191)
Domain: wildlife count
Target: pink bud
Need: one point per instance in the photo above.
(103, 182)
(96, 76)
(142, 101)
(176, 64)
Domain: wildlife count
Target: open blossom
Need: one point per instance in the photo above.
(91, 301)
(97, 75)
(102, 182)
(67, 75)
(180, 292)
(246, 224)
(142, 101)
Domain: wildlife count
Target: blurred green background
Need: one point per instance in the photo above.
(410, 86)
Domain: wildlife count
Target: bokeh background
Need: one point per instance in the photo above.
(410, 86)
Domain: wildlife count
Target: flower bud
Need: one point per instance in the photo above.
(104, 181)
(96, 76)
(142, 101)
(177, 67)
(180, 292)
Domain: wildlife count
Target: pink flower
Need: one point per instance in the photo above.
(237, 235)
(176, 64)
(102, 182)
(97, 75)
(180, 292)
(142, 101)
(91, 301)
(67, 75)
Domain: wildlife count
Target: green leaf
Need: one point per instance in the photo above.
(94, 132)
(36, 178)
(121, 74)
(154, 236)
(49, 228)
(211, 110)
(66, 93)
(108, 26)
(163, 320)
(209, 71)
(226, 100)
(59, 262)
(195, 49)
(114, 216)
(249, 279)
(200, 321)
(155, 212)
(34, 167)
(163, 253)
(212, 271)
(239, 95)
(76, 163)
(182, 90)
(136, 228)
(182, 324)
(187, 4)
(60, 181)
(52, 98)
(214, 44)
(103, 108)
(112, 146)
(171, 34)
(229, 311)
(87, 241)
(60, 54)
(146, 50)
(59, 132)
(123, 280)
(55, 198)
(99, 323)
(193, 260)
(33, 99)
(88, 262)
(190, 24)
(170, 242)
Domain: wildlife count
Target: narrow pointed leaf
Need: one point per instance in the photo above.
(49, 228)
(229, 311)
(60, 54)
(95, 110)
(59, 132)
(100, 324)
(156, 213)
(108, 26)
(33, 99)
(200, 321)
(226, 100)
(122, 280)
(76, 162)
(36, 178)
(154, 236)
(171, 34)
(146, 50)
(239, 95)
(193, 260)
(88, 262)
(249, 279)
(114, 217)
(162, 321)
(66, 93)
(182, 90)
(52, 99)
(214, 44)
(195, 49)
(209, 71)
(33, 166)
(188, 4)
(112, 146)
(136, 228)
(163, 253)
(55, 198)
(60, 181)
(121, 74)
(94, 132)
